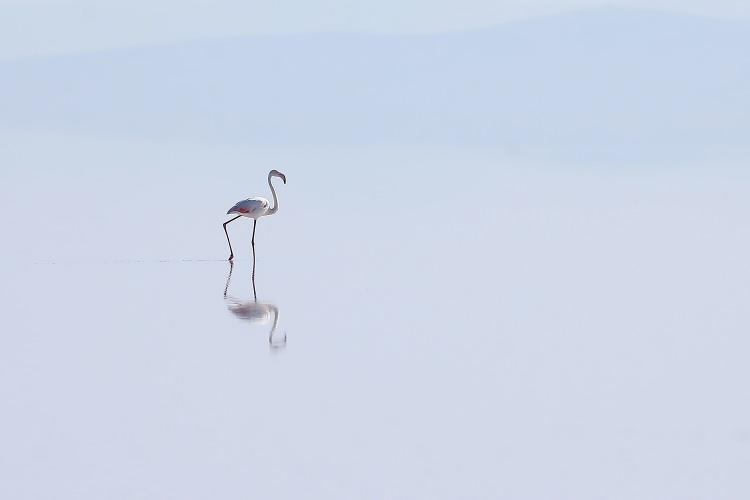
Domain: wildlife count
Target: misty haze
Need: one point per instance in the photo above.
(507, 262)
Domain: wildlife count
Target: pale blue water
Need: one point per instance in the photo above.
(457, 325)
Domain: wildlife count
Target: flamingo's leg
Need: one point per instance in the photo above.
(231, 253)
(229, 277)
(255, 222)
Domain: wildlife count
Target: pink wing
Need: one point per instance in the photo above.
(251, 206)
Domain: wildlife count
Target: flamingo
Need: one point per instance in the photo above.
(254, 208)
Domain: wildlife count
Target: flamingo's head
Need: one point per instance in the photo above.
(276, 173)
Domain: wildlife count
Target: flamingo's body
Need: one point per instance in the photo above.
(254, 208)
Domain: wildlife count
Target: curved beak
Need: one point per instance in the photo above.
(283, 177)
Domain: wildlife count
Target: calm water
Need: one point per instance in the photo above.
(446, 324)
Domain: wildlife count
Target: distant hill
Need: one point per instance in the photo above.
(603, 79)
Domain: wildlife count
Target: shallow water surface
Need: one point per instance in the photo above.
(421, 329)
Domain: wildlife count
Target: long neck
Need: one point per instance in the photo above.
(275, 207)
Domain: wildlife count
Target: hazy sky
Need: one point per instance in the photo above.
(43, 26)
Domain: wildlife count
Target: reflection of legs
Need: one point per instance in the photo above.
(231, 253)
(255, 221)
(229, 277)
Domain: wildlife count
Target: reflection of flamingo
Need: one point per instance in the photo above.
(255, 313)
(254, 208)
